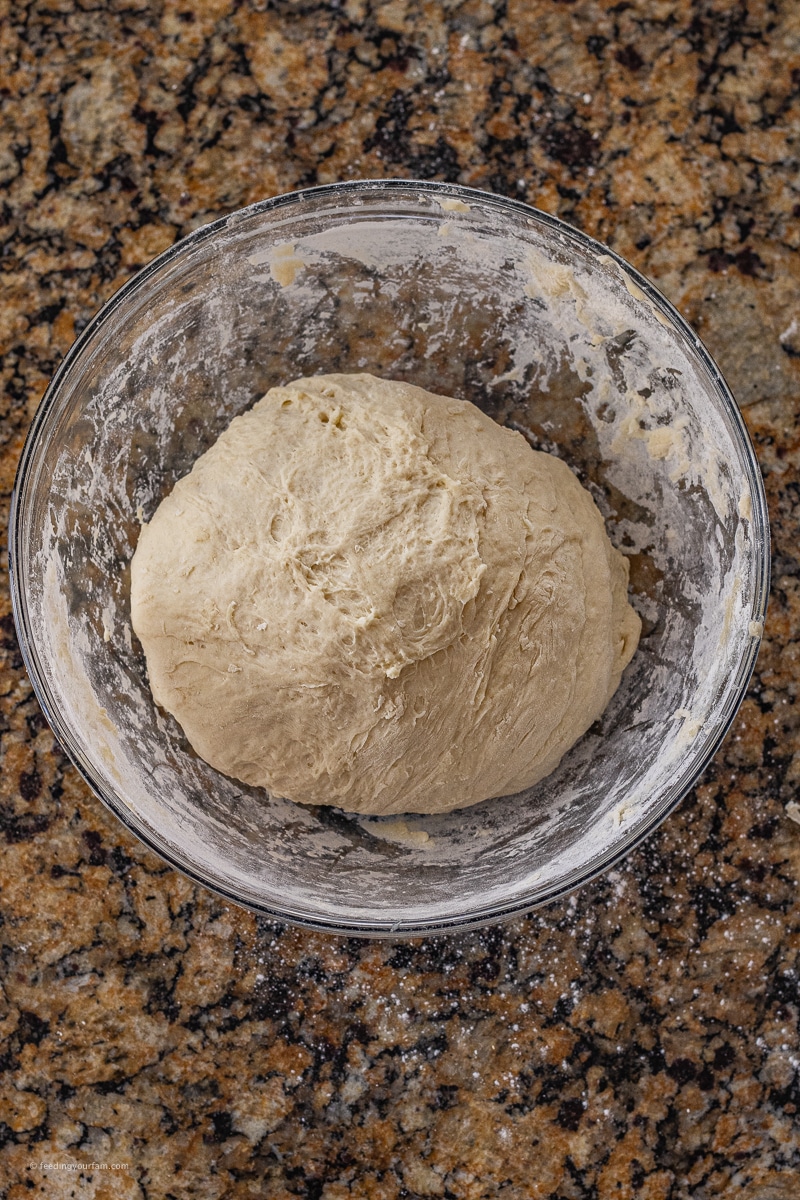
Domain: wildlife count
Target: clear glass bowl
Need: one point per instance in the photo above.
(466, 294)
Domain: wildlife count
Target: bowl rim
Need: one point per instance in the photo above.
(735, 685)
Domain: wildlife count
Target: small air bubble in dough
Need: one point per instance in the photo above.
(428, 613)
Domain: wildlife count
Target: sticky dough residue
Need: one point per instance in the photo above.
(690, 726)
(655, 417)
(399, 832)
(452, 204)
(556, 281)
(662, 442)
(634, 290)
(285, 265)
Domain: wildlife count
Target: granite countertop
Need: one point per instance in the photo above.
(639, 1039)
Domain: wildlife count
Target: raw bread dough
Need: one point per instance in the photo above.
(371, 596)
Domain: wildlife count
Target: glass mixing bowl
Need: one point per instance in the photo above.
(466, 294)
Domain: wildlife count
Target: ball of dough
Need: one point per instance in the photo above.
(375, 597)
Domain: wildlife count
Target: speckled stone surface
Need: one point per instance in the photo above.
(637, 1040)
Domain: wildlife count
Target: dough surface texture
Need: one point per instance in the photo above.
(371, 596)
